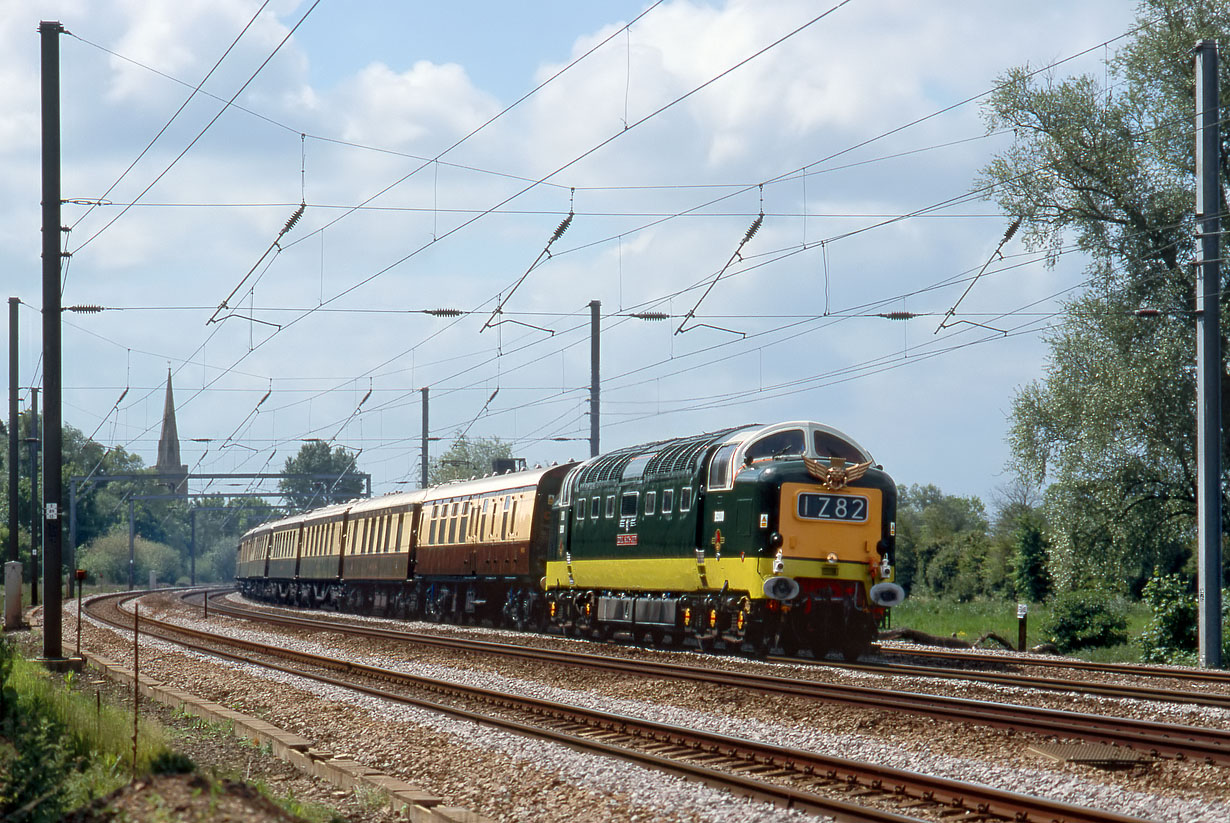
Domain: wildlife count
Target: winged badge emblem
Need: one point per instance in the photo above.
(836, 474)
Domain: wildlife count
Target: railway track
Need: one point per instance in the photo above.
(1218, 677)
(790, 778)
(1020, 680)
(1151, 737)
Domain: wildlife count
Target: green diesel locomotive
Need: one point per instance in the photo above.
(757, 537)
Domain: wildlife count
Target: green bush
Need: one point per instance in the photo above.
(1085, 618)
(107, 559)
(1170, 636)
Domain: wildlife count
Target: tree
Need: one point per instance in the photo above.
(1030, 576)
(1110, 168)
(942, 544)
(339, 479)
(467, 458)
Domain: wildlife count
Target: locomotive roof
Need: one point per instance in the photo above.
(669, 456)
(680, 454)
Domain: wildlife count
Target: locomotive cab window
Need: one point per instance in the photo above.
(778, 444)
(828, 445)
(720, 474)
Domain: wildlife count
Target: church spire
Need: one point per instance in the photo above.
(168, 447)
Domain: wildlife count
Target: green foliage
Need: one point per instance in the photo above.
(340, 480)
(1106, 161)
(58, 751)
(1030, 576)
(171, 762)
(1086, 618)
(943, 546)
(467, 458)
(1170, 636)
(107, 559)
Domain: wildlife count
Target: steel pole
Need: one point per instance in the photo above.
(423, 483)
(595, 417)
(1208, 354)
(36, 517)
(13, 424)
(49, 33)
(132, 551)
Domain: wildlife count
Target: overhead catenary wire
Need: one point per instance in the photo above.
(195, 91)
(207, 127)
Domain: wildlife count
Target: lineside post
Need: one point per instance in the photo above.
(595, 351)
(1208, 354)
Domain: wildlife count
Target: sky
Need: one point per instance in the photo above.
(437, 149)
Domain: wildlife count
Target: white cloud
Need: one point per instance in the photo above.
(862, 71)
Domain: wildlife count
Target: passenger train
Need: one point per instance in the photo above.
(754, 538)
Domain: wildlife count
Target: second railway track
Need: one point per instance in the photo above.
(1152, 737)
(787, 777)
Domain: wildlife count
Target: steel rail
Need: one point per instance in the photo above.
(1153, 737)
(974, 800)
(1016, 679)
(1164, 672)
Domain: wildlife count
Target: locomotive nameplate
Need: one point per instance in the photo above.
(848, 508)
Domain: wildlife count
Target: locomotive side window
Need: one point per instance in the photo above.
(685, 499)
(668, 500)
(778, 444)
(651, 501)
(595, 506)
(828, 445)
(628, 503)
(610, 505)
(720, 475)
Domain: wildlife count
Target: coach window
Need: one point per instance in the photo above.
(452, 523)
(651, 502)
(463, 522)
(685, 499)
(431, 525)
(512, 518)
(595, 507)
(720, 475)
(668, 500)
